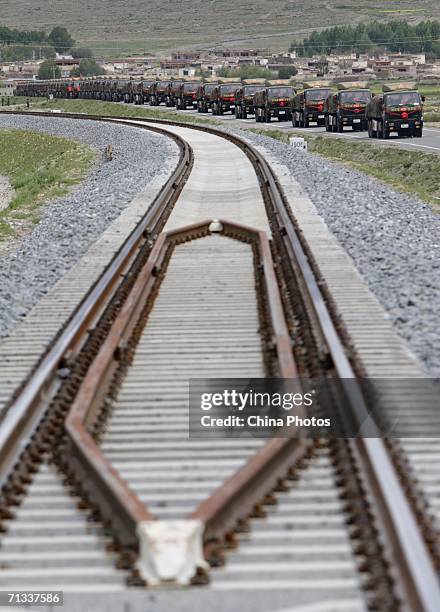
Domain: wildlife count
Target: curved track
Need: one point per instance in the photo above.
(199, 300)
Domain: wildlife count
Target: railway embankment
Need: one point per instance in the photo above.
(75, 217)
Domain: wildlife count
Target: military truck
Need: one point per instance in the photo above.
(159, 92)
(398, 110)
(142, 92)
(307, 106)
(187, 95)
(244, 97)
(346, 107)
(223, 98)
(203, 95)
(273, 101)
(172, 93)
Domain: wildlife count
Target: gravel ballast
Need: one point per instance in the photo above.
(69, 225)
(393, 239)
(6, 192)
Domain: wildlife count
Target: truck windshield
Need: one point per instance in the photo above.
(280, 92)
(209, 88)
(402, 99)
(190, 87)
(351, 97)
(251, 89)
(228, 89)
(317, 94)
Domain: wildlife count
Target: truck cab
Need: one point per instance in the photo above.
(244, 102)
(223, 98)
(187, 95)
(399, 112)
(204, 91)
(158, 92)
(273, 101)
(173, 93)
(308, 107)
(346, 108)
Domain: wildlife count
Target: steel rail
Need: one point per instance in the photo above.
(26, 411)
(105, 489)
(417, 578)
(418, 582)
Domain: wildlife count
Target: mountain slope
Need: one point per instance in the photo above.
(112, 27)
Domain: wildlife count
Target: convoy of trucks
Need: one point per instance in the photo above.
(398, 110)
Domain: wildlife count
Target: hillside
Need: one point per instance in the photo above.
(112, 28)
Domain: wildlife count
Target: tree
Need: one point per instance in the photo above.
(49, 70)
(246, 72)
(87, 67)
(285, 72)
(61, 39)
(81, 52)
(395, 35)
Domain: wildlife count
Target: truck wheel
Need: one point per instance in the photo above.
(339, 126)
(268, 118)
(244, 114)
(385, 132)
(305, 122)
(418, 133)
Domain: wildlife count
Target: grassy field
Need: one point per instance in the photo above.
(110, 109)
(118, 28)
(40, 167)
(12, 100)
(410, 172)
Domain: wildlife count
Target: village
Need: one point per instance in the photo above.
(215, 63)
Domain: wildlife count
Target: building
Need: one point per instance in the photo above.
(6, 88)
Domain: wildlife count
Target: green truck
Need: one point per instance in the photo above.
(307, 107)
(346, 108)
(244, 97)
(273, 101)
(399, 110)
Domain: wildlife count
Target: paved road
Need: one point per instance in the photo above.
(429, 143)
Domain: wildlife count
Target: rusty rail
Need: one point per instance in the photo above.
(105, 489)
(416, 578)
(27, 409)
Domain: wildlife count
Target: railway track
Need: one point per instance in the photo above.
(214, 282)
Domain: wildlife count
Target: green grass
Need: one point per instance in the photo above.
(110, 109)
(40, 167)
(12, 100)
(410, 172)
(432, 116)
